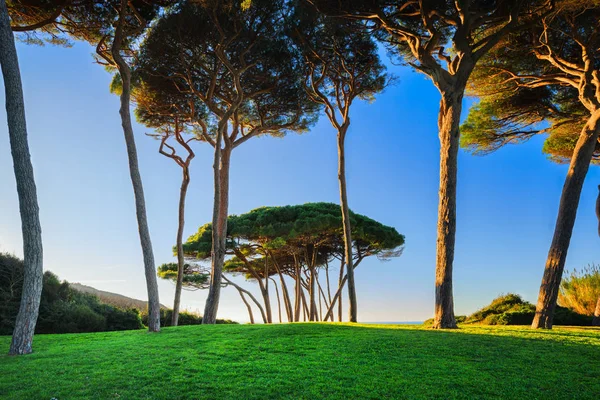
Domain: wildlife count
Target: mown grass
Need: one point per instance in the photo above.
(308, 361)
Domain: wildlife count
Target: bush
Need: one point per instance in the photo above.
(62, 309)
(511, 309)
(579, 290)
(185, 318)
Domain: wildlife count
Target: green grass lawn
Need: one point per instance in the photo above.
(308, 361)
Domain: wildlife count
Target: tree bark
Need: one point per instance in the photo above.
(448, 124)
(22, 339)
(219, 233)
(180, 256)
(567, 212)
(341, 137)
(136, 179)
(298, 300)
(596, 320)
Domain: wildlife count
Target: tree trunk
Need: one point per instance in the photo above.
(341, 137)
(136, 179)
(22, 338)
(180, 257)
(247, 306)
(448, 124)
(311, 293)
(567, 211)
(265, 292)
(341, 295)
(240, 289)
(219, 233)
(338, 294)
(278, 299)
(286, 296)
(596, 320)
(298, 299)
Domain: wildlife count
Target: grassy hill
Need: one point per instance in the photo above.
(308, 361)
(114, 299)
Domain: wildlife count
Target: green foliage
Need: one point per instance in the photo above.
(580, 290)
(194, 276)
(511, 309)
(341, 60)
(523, 94)
(185, 318)
(276, 226)
(62, 309)
(190, 61)
(308, 361)
(270, 238)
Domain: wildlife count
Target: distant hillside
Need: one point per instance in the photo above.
(117, 300)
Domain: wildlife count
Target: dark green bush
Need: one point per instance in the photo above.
(185, 318)
(62, 309)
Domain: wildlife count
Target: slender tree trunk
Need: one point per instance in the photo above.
(311, 294)
(278, 300)
(22, 339)
(448, 123)
(286, 296)
(240, 289)
(136, 179)
(567, 211)
(250, 315)
(298, 299)
(180, 257)
(341, 296)
(341, 137)
(219, 234)
(265, 293)
(305, 310)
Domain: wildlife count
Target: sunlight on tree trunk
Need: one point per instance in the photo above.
(448, 123)
(22, 339)
(567, 212)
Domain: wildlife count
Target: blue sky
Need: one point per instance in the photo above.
(507, 201)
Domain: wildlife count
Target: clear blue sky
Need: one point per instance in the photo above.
(507, 201)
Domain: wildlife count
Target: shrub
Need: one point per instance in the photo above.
(511, 309)
(185, 318)
(62, 309)
(579, 290)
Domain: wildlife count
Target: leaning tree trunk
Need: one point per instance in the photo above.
(22, 338)
(136, 179)
(219, 233)
(448, 124)
(180, 257)
(567, 211)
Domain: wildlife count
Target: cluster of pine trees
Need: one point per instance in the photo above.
(226, 71)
